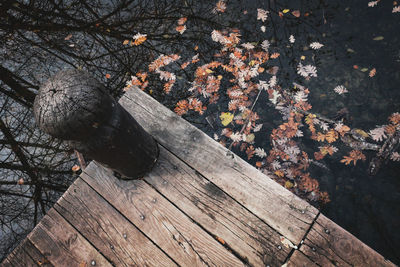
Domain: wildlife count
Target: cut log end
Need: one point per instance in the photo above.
(75, 107)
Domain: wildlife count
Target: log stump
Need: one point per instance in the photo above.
(75, 107)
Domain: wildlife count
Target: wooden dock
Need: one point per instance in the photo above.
(201, 205)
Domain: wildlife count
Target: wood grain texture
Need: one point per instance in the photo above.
(206, 204)
(62, 244)
(172, 231)
(278, 207)
(21, 256)
(330, 245)
(112, 234)
(298, 259)
(35, 254)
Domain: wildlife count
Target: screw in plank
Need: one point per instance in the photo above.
(93, 263)
(279, 247)
(154, 200)
(327, 231)
(313, 249)
(125, 236)
(142, 217)
(112, 247)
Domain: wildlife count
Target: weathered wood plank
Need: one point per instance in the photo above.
(179, 237)
(112, 234)
(25, 254)
(35, 254)
(62, 244)
(278, 207)
(298, 259)
(330, 245)
(6, 262)
(217, 212)
(18, 257)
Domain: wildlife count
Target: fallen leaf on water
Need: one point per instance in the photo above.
(226, 118)
(108, 76)
(285, 11)
(372, 73)
(378, 38)
(75, 168)
(364, 69)
(69, 36)
(288, 184)
(296, 13)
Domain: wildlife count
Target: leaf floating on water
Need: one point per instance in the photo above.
(316, 45)
(69, 36)
(372, 73)
(364, 69)
(296, 13)
(372, 3)
(285, 11)
(378, 38)
(75, 168)
(226, 118)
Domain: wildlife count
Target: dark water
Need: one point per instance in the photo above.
(368, 207)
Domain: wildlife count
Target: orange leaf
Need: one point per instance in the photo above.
(220, 240)
(75, 168)
(275, 55)
(182, 21)
(108, 76)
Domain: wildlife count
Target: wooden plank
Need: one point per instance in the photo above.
(278, 207)
(62, 244)
(6, 262)
(21, 256)
(298, 259)
(35, 254)
(228, 221)
(112, 234)
(183, 240)
(330, 245)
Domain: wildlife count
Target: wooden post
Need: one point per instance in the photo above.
(75, 107)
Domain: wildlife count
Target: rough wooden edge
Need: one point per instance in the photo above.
(62, 244)
(26, 254)
(298, 259)
(108, 230)
(278, 207)
(329, 244)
